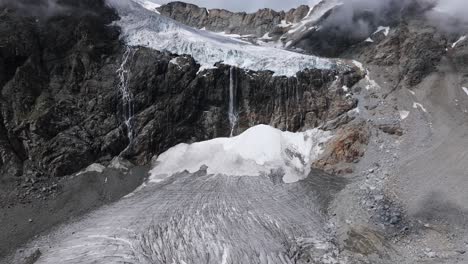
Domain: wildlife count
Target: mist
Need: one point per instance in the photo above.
(450, 15)
(359, 18)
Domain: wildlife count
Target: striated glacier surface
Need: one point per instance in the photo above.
(227, 213)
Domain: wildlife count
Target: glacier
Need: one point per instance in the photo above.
(258, 151)
(145, 28)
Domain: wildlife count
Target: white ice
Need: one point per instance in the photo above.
(461, 39)
(141, 27)
(416, 105)
(465, 90)
(404, 114)
(257, 151)
(95, 167)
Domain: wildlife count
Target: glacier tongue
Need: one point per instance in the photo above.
(141, 27)
(258, 151)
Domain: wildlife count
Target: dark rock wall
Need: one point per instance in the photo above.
(53, 68)
(174, 104)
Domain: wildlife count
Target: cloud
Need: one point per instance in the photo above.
(450, 15)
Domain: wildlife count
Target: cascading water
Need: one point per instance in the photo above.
(232, 99)
(127, 96)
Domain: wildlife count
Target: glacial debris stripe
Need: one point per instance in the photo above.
(233, 115)
(127, 96)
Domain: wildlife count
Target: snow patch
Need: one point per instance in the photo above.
(404, 114)
(369, 40)
(257, 151)
(465, 90)
(266, 36)
(175, 61)
(284, 24)
(385, 30)
(371, 84)
(95, 167)
(316, 11)
(461, 39)
(418, 105)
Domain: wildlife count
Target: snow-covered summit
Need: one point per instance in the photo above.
(141, 27)
(256, 152)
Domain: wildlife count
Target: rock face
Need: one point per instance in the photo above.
(219, 20)
(62, 110)
(347, 147)
(413, 46)
(57, 81)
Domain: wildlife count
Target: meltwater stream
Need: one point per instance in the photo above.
(233, 116)
(202, 218)
(127, 96)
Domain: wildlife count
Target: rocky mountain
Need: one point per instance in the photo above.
(219, 20)
(95, 93)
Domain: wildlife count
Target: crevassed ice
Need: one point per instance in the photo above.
(256, 152)
(141, 27)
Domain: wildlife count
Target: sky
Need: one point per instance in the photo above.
(244, 5)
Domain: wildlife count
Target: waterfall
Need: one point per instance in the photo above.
(127, 96)
(232, 99)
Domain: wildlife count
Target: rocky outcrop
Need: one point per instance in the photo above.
(413, 47)
(346, 148)
(219, 20)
